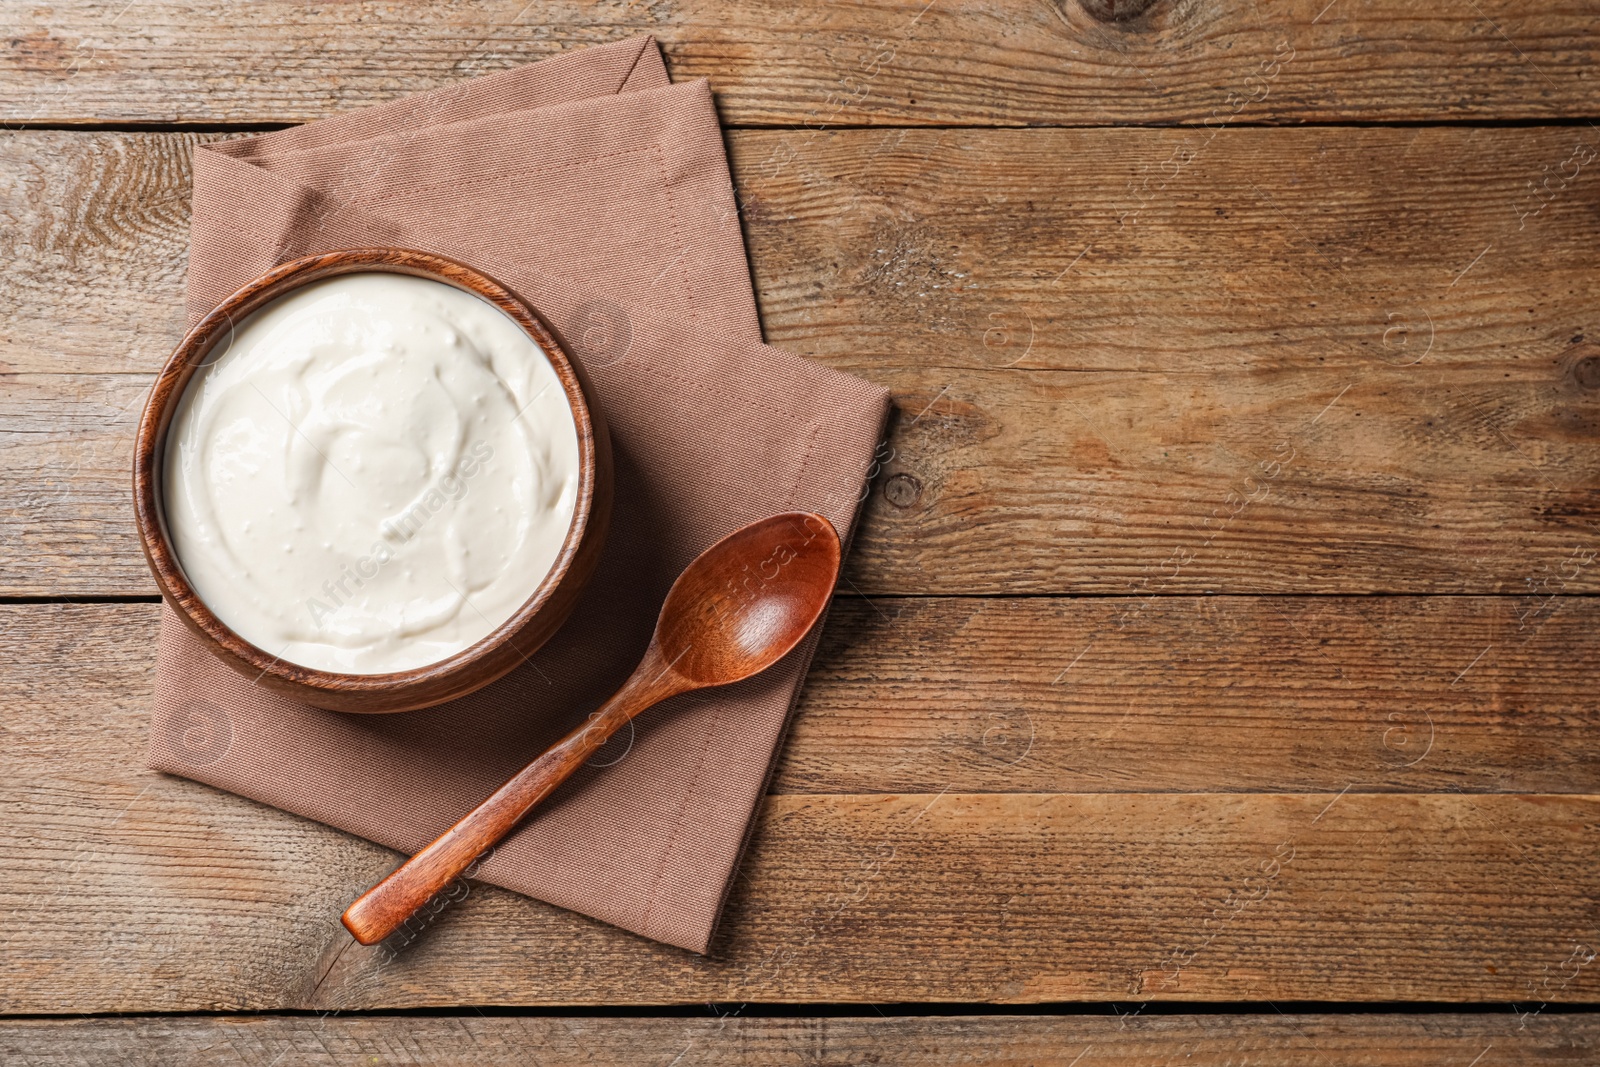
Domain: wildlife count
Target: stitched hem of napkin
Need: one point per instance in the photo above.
(713, 727)
(809, 653)
(654, 893)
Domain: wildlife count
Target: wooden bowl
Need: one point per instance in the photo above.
(471, 668)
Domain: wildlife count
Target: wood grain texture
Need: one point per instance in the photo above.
(130, 891)
(1333, 361)
(1142, 365)
(1192, 695)
(886, 62)
(726, 1036)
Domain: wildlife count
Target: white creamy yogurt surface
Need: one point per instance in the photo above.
(376, 472)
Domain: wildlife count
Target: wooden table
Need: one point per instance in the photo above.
(1216, 676)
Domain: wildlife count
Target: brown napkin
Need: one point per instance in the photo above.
(599, 192)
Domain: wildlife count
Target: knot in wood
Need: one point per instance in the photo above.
(1115, 11)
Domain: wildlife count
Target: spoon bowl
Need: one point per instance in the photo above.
(746, 601)
(740, 607)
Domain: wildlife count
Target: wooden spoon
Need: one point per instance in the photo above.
(740, 607)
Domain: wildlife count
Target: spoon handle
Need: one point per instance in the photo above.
(386, 906)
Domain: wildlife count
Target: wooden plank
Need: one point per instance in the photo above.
(1084, 364)
(888, 61)
(1332, 361)
(215, 904)
(1191, 695)
(133, 892)
(730, 1037)
(1200, 694)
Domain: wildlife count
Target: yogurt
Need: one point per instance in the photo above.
(374, 473)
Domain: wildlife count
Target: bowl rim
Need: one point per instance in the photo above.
(190, 356)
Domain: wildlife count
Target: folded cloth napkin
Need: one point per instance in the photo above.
(599, 192)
